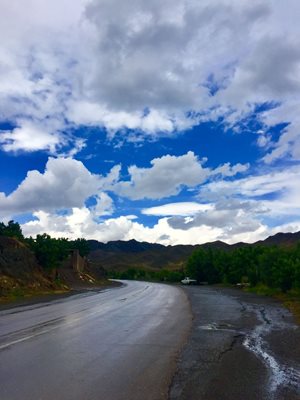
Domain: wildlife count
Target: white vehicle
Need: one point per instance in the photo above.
(188, 281)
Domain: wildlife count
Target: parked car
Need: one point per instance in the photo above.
(188, 281)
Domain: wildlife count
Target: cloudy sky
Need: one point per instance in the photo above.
(168, 122)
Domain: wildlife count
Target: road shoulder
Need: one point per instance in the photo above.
(242, 346)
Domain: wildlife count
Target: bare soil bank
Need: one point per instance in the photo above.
(242, 347)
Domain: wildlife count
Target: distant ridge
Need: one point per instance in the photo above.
(286, 239)
(121, 255)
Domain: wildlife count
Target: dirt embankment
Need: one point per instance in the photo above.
(19, 270)
(21, 275)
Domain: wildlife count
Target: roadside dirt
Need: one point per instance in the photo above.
(242, 347)
(44, 298)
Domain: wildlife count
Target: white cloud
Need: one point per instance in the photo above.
(245, 209)
(228, 170)
(169, 174)
(38, 69)
(104, 205)
(66, 183)
(29, 137)
(94, 62)
(81, 223)
(274, 194)
(180, 208)
(166, 177)
(234, 219)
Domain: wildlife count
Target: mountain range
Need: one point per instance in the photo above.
(120, 255)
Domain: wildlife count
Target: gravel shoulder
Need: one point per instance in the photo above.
(242, 347)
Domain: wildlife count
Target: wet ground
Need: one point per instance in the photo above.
(117, 344)
(122, 344)
(241, 347)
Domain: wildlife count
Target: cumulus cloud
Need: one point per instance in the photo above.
(244, 209)
(104, 205)
(29, 137)
(153, 67)
(247, 209)
(229, 170)
(80, 222)
(66, 183)
(169, 174)
(233, 218)
(277, 189)
(264, 201)
(166, 176)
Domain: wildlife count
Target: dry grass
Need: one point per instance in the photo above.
(292, 302)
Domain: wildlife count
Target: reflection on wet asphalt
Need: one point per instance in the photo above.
(116, 344)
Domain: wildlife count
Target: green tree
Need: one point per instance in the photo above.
(81, 245)
(49, 251)
(202, 266)
(12, 229)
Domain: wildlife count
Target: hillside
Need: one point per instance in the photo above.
(19, 269)
(120, 255)
(281, 239)
(22, 275)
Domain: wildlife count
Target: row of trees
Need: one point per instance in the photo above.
(275, 267)
(162, 275)
(50, 252)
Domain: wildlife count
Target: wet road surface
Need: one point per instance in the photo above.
(117, 344)
(241, 347)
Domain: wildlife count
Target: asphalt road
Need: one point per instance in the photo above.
(241, 347)
(116, 344)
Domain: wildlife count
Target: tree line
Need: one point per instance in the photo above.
(50, 252)
(162, 275)
(276, 267)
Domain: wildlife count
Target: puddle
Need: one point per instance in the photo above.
(216, 327)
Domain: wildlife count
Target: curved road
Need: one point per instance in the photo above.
(115, 344)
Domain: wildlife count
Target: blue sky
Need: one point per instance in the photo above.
(150, 121)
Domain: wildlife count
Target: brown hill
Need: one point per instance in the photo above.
(120, 255)
(281, 239)
(19, 269)
(21, 275)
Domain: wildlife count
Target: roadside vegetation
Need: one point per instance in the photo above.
(35, 266)
(266, 270)
(269, 270)
(272, 271)
(274, 267)
(162, 275)
(50, 252)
